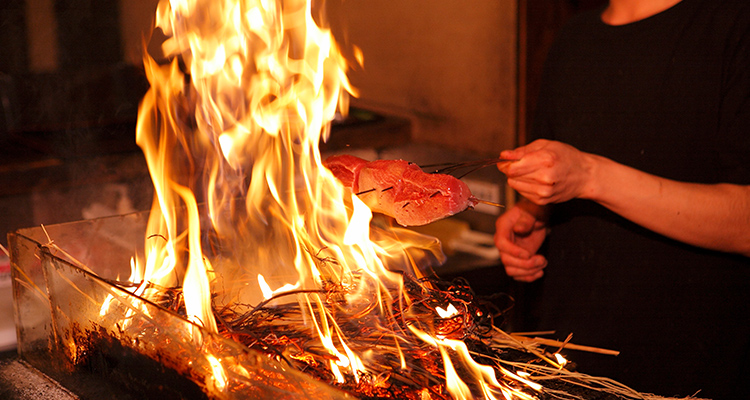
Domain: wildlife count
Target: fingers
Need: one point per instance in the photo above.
(529, 278)
(525, 270)
(505, 234)
(522, 166)
(515, 154)
(534, 166)
(521, 151)
(530, 163)
(536, 175)
(524, 224)
(540, 194)
(514, 229)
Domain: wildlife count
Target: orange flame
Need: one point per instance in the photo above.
(233, 121)
(249, 92)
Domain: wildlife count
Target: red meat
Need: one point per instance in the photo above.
(401, 189)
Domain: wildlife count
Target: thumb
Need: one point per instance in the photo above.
(524, 224)
(514, 154)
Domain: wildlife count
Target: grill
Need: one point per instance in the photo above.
(59, 295)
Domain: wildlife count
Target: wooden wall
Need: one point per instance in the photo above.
(449, 65)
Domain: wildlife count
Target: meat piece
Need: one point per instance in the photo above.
(346, 169)
(401, 189)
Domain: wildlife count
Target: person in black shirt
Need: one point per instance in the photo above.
(636, 195)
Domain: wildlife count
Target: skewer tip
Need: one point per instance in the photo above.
(489, 203)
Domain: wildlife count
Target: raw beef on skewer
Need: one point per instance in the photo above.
(401, 189)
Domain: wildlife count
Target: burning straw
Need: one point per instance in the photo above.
(398, 364)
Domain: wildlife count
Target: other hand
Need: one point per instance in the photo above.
(519, 234)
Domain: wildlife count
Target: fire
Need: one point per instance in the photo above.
(220, 378)
(560, 359)
(446, 312)
(264, 81)
(230, 130)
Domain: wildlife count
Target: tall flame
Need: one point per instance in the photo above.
(243, 208)
(249, 93)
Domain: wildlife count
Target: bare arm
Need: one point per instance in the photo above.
(715, 216)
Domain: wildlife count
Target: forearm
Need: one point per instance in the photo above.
(715, 216)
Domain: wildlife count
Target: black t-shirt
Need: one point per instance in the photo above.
(668, 95)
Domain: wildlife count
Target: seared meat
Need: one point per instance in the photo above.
(401, 189)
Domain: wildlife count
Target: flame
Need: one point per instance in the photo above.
(249, 92)
(219, 375)
(446, 312)
(484, 376)
(230, 130)
(561, 361)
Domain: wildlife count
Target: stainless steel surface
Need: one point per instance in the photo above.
(21, 381)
